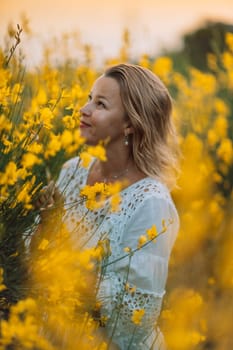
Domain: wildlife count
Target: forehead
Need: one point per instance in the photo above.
(106, 87)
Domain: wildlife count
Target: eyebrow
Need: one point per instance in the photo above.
(107, 100)
(99, 96)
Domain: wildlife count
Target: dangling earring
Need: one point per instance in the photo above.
(126, 142)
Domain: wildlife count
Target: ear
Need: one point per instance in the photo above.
(129, 130)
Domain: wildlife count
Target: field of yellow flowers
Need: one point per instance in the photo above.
(39, 131)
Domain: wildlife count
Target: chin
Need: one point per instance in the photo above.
(91, 143)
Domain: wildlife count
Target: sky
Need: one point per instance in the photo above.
(153, 24)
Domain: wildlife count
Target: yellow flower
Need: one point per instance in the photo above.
(164, 226)
(137, 316)
(127, 249)
(227, 60)
(5, 124)
(22, 327)
(46, 116)
(98, 152)
(163, 68)
(144, 61)
(22, 173)
(179, 80)
(86, 159)
(221, 107)
(78, 139)
(141, 241)
(70, 107)
(225, 151)
(229, 40)
(24, 195)
(115, 202)
(53, 146)
(4, 194)
(35, 147)
(203, 82)
(212, 137)
(97, 194)
(66, 138)
(152, 232)
(41, 97)
(69, 121)
(8, 144)
(94, 195)
(43, 244)
(9, 177)
(84, 258)
(29, 160)
(220, 126)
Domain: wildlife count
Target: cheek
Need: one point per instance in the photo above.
(100, 123)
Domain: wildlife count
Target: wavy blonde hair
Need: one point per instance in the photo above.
(148, 106)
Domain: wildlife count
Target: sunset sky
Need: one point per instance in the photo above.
(153, 24)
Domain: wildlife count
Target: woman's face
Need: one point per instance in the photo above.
(103, 116)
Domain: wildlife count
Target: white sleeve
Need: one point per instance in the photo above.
(146, 270)
(67, 172)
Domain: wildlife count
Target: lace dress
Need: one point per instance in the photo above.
(143, 204)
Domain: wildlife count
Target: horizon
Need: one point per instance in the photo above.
(153, 26)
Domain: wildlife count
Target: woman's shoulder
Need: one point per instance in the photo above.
(71, 163)
(148, 188)
(149, 199)
(68, 171)
(148, 194)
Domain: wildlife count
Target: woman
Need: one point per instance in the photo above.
(131, 108)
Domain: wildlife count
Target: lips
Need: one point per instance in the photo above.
(84, 124)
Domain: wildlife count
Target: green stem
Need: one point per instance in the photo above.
(120, 303)
(131, 253)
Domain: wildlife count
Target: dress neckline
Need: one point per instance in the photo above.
(127, 188)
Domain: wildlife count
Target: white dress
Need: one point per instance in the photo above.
(143, 204)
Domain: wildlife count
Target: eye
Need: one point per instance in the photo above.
(89, 98)
(100, 104)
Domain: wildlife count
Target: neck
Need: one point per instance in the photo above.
(117, 164)
(118, 167)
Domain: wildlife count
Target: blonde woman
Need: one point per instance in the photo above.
(131, 107)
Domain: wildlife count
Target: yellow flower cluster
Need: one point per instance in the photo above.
(22, 328)
(152, 234)
(66, 302)
(96, 195)
(103, 249)
(186, 319)
(90, 152)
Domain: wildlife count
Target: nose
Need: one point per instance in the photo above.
(86, 110)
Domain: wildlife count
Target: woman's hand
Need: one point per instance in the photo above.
(50, 203)
(49, 197)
